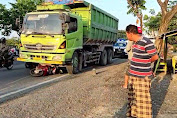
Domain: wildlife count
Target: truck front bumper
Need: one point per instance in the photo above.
(41, 61)
(44, 58)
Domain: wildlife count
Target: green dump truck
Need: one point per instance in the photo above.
(68, 35)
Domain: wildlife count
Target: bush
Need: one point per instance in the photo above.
(13, 42)
(174, 47)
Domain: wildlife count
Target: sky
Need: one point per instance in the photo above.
(118, 8)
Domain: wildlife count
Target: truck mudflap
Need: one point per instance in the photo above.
(40, 61)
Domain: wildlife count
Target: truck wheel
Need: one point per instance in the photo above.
(110, 56)
(74, 67)
(103, 58)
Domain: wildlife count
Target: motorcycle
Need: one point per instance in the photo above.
(43, 70)
(6, 60)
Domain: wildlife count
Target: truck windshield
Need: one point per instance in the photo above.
(42, 24)
(120, 44)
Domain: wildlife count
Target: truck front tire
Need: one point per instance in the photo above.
(103, 58)
(74, 67)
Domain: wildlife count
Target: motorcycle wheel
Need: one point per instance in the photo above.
(32, 73)
(10, 66)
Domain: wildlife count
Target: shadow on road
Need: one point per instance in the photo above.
(159, 90)
(116, 61)
(158, 93)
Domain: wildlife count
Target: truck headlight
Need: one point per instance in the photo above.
(22, 55)
(57, 58)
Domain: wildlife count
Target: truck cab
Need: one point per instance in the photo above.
(45, 33)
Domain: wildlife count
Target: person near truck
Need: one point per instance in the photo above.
(3, 47)
(130, 54)
(140, 74)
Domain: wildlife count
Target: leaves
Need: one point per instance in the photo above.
(122, 34)
(135, 7)
(18, 10)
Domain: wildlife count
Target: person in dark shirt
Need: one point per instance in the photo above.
(3, 48)
(140, 74)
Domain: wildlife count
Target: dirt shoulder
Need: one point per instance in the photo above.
(169, 106)
(91, 96)
(82, 96)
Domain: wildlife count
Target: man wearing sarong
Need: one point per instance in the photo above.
(140, 74)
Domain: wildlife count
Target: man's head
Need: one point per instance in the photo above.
(3, 40)
(133, 32)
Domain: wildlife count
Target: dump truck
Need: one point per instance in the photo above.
(70, 35)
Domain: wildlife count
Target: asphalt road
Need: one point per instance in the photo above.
(19, 77)
(8, 76)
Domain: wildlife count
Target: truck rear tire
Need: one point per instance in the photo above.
(110, 56)
(74, 67)
(103, 58)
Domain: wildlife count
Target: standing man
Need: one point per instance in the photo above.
(140, 74)
(130, 54)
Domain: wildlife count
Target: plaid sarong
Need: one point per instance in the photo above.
(139, 99)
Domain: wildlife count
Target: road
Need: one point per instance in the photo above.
(18, 78)
(83, 95)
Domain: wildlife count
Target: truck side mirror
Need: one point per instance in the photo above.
(66, 18)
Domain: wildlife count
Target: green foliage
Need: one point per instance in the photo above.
(18, 10)
(152, 11)
(173, 23)
(122, 34)
(152, 23)
(171, 4)
(172, 40)
(13, 42)
(5, 20)
(174, 47)
(138, 4)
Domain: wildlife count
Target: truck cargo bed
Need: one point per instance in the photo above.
(99, 26)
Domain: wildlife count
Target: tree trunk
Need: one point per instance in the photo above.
(163, 28)
(141, 22)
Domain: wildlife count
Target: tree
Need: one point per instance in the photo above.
(13, 42)
(20, 8)
(168, 10)
(136, 7)
(173, 23)
(5, 26)
(152, 23)
(122, 34)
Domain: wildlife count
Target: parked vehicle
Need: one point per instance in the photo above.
(120, 48)
(68, 35)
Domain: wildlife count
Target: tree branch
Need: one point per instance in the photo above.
(129, 2)
(160, 3)
(172, 12)
(135, 9)
(163, 6)
(166, 2)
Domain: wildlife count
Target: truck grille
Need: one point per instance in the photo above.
(39, 47)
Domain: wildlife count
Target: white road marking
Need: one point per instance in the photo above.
(13, 82)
